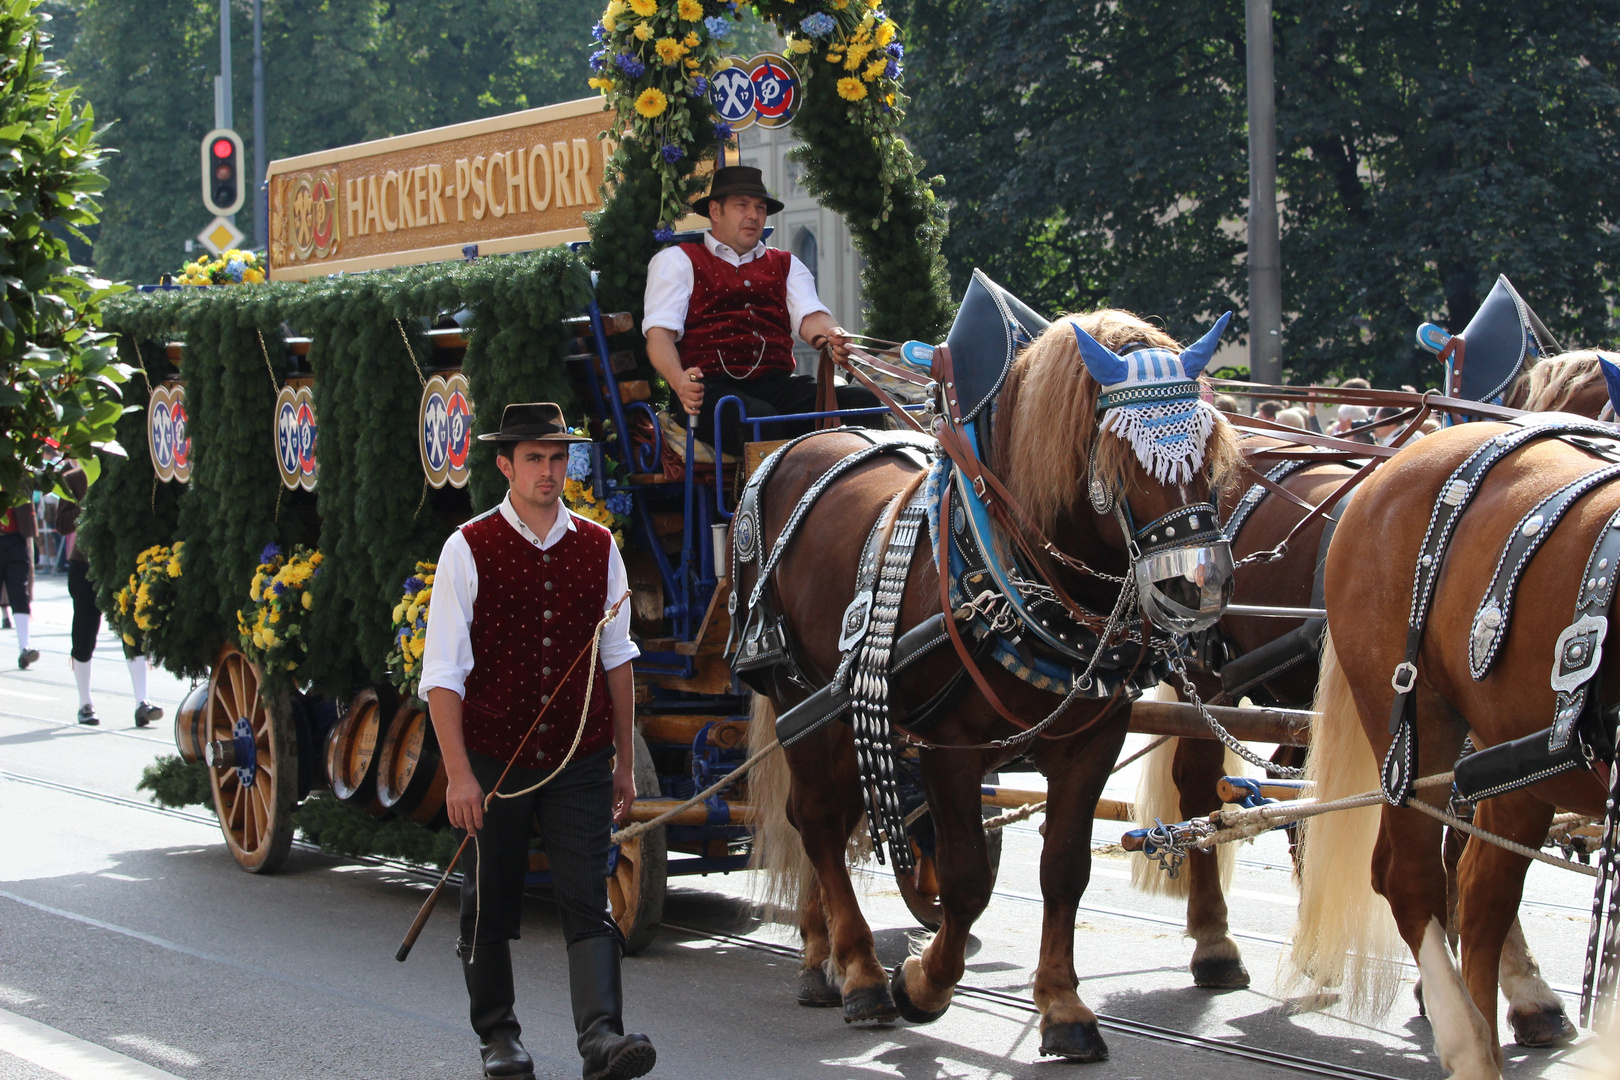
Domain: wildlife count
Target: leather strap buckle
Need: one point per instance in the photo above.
(1405, 677)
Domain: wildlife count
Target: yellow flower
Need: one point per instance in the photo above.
(690, 10)
(270, 639)
(314, 559)
(275, 616)
(886, 32)
(615, 8)
(838, 5)
(643, 32)
(174, 567)
(412, 612)
(691, 40)
(128, 640)
(801, 45)
(291, 664)
(889, 100)
(253, 276)
(835, 58)
(651, 103)
(692, 65)
(874, 69)
(669, 50)
(601, 84)
(644, 8)
(872, 3)
(308, 600)
(857, 56)
(610, 23)
(851, 89)
(416, 647)
(399, 611)
(424, 596)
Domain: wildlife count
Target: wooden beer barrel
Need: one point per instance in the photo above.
(411, 779)
(191, 725)
(351, 752)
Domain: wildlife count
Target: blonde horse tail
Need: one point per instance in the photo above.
(1159, 799)
(784, 886)
(1345, 937)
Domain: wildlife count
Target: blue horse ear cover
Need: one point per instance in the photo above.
(1107, 368)
(1611, 375)
(1196, 357)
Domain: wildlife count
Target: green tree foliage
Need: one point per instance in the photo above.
(1097, 153)
(336, 72)
(61, 376)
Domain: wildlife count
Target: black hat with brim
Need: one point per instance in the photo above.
(537, 421)
(737, 180)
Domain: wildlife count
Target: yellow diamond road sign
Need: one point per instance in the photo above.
(221, 236)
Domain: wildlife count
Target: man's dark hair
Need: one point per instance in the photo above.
(1268, 410)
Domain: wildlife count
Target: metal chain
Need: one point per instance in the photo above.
(1168, 845)
(1268, 556)
(1289, 772)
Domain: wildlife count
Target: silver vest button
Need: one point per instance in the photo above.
(548, 586)
(546, 642)
(543, 727)
(545, 558)
(545, 699)
(545, 671)
(547, 615)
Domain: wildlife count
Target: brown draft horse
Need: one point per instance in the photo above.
(1370, 569)
(1046, 426)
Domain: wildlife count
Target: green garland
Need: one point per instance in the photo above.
(856, 163)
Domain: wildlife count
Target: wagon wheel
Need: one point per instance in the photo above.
(636, 887)
(252, 755)
(920, 888)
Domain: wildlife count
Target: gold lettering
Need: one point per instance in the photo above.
(478, 187)
(494, 160)
(435, 175)
(564, 184)
(419, 194)
(539, 191)
(354, 202)
(373, 204)
(514, 183)
(582, 173)
(406, 200)
(389, 177)
(463, 185)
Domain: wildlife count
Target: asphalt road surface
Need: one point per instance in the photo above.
(132, 947)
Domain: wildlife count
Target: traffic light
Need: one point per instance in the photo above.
(222, 187)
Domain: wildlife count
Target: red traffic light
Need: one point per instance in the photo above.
(222, 148)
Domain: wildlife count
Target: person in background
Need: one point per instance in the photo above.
(1384, 432)
(1268, 410)
(86, 616)
(1226, 403)
(1294, 418)
(17, 532)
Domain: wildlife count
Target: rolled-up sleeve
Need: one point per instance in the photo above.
(617, 648)
(669, 292)
(447, 657)
(802, 298)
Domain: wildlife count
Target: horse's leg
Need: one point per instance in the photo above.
(1074, 784)
(815, 989)
(1216, 961)
(1535, 1012)
(922, 986)
(824, 813)
(1490, 884)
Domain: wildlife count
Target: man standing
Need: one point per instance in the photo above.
(17, 531)
(517, 596)
(720, 315)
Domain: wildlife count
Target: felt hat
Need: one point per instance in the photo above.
(737, 180)
(536, 421)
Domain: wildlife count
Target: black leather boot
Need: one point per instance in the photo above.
(488, 971)
(593, 982)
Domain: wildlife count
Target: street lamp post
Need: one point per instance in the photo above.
(261, 197)
(1265, 256)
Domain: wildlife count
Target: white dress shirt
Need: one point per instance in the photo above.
(447, 656)
(669, 286)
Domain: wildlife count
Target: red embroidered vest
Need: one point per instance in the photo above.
(737, 315)
(535, 613)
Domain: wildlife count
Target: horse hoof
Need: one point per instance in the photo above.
(815, 992)
(902, 1001)
(1074, 1042)
(1543, 1027)
(1224, 973)
(870, 1005)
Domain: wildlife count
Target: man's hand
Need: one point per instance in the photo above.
(464, 801)
(818, 329)
(689, 388)
(624, 790)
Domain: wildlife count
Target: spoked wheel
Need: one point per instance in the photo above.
(252, 755)
(920, 888)
(636, 887)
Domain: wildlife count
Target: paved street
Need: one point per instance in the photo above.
(131, 946)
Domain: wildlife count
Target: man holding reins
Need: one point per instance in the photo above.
(720, 315)
(517, 596)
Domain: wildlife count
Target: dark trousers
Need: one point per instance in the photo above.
(774, 393)
(86, 616)
(575, 815)
(14, 570)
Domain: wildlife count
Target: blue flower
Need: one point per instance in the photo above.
(413, 585)
(271, 551)
(893, 69)
(598, 59)
(700, 86)
(278, 588)
(896, 50)
(579, 462)
(619, 503)
(718, 26)
(663, 234)
(722, 130)
(599, 32)
(235, 268)
(630, 66)
(672, 153)
(818, 25)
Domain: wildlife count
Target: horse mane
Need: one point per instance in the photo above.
(1049, 391)
(1550, 384)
